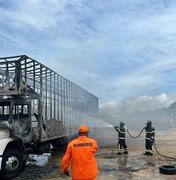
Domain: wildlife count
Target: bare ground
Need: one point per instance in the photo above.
(112, 166)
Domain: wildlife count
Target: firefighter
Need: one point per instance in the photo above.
(121, 136)
(81, 154)
(149, 139)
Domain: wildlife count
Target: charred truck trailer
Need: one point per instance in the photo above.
(38, 108)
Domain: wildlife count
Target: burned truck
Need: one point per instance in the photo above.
(39, 109)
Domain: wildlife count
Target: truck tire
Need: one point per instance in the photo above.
(12, 164)
(167, 169)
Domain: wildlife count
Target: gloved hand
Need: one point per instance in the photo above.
(66, 172)
(116, 127)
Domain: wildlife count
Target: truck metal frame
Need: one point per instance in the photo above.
(37, 107)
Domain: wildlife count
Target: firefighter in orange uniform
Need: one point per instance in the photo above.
(81, 153)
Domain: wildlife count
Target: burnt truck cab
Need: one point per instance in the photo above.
(15, 118)
(15, 131)
(24, 131)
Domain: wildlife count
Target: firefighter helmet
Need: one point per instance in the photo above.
(83, 128)
(149, 122)
(122, 124)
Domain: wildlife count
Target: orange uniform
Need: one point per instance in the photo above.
(81, 153)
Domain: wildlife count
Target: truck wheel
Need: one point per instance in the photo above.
(12, 164)
(167, 169)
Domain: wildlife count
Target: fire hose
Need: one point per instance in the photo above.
(153, 143)
(136, 136)
(164, 169)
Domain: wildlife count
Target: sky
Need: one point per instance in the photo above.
(117, 50)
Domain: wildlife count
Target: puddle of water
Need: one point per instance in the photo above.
(48, 159)
(38, 160)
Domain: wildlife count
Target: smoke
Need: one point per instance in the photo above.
(134, 112)
(142, 104)
(147, 103)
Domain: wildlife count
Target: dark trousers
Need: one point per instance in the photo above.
(122, 144)
(148, 146)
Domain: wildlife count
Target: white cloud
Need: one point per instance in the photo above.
(113, 111)
(115, 49)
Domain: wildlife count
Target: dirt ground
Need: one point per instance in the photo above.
(112, 166)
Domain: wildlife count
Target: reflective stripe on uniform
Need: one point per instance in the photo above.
(119, 149)
(150, 132)
(122, 132)
(149, 139)
(126, 150)
(0, 162)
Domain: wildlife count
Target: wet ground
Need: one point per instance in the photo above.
(112, 166)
